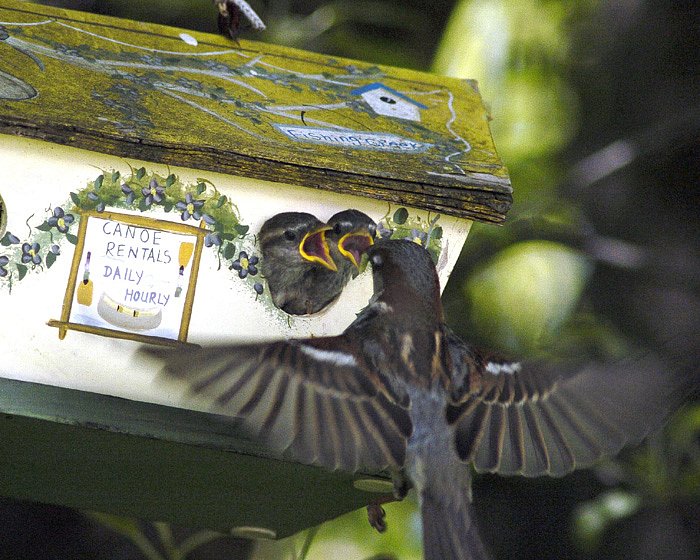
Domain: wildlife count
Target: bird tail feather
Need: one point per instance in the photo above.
(449, 531)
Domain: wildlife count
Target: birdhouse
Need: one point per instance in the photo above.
(142, 171)
(386, 101)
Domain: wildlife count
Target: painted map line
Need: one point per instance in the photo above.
(116, 41)
(26, 24)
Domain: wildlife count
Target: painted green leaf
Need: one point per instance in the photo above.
(400, 216)
(140, 173)
(229, 250)
(98, 182)
(115, 176)
(221, 201)
(50, 259)
(44, 227)
(437, 233)
(170, 180)
(201, 187)
(22, 270)
(75, 198)
(72, 238)
(241, 229)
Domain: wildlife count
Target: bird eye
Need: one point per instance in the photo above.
(372, 230)
(337, 228)
(377, 260)
(289, 234)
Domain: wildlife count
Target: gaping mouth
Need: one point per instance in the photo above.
(354, 244)
(314, 248)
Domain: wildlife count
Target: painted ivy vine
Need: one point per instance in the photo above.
(199, 202)
(401, 225)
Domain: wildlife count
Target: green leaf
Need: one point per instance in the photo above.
(140, 173)
(167, 206)
(229, 250)
(201, 187)
(170, 180)
(50, 259)
(123, 525)
(401, 232)
(75, 198)
(241, 229)
(115, 176)
(98, 182)
(221, 201)
(44, 227)
(400, 216)
(22, 270)
(437, 233)
(72, 238)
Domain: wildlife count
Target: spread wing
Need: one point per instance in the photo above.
(533, 420)
(313, 400)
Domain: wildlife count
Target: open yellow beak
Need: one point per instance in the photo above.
(354, 244)
(314, 248)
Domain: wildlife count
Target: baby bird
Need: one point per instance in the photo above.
(296, 262)
(352, 234)
(308, 263)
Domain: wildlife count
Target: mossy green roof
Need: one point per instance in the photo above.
(141, 90)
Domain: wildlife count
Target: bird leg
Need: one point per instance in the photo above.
(231, 13)
(376, 515)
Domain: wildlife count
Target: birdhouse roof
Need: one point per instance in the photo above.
(197, 100)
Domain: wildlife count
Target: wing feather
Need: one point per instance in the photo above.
(312, 400)
(536, 419)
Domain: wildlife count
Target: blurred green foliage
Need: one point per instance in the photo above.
(523, 295)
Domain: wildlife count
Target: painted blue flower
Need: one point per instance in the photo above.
(129, 192)
(212, 238)
(190, 208)
(30, 253)
(3, 263)
(153, 193)
(258, 287)
(384, 232)
(10, 239)
(245, 265)
(60, 220)
(96, 198)
(418, 236)
(55, 249)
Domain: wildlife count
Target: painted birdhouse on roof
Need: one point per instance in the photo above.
(153, 181)
(386, 101)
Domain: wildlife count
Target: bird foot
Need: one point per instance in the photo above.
(376, 516)
(231, 15)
